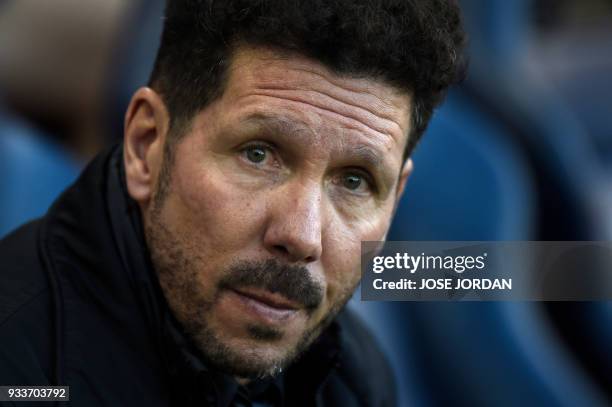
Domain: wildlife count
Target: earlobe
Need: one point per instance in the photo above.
(145, 128)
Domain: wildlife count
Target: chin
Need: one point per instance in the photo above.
(250, 358)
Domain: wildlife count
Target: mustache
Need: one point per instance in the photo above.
(292, 281)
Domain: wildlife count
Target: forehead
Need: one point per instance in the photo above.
(263, 79)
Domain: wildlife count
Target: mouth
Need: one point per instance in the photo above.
(271, 308)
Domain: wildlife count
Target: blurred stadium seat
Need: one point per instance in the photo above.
(34, 172)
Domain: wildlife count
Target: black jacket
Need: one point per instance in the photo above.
(80, 306)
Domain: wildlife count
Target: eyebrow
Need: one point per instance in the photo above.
(368, 155)
(278, 125)
(373, 159)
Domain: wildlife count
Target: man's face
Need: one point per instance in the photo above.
(255, 229)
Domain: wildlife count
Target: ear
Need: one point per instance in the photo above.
(406, 171)
(145, 129)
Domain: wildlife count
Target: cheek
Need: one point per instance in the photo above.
(212, 208)
(342, 250)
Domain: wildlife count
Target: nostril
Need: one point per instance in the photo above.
(281, 249)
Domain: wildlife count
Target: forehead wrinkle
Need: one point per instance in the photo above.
(356, 123)
(274, 71)
(371, 116)
(347, 82)
(350, 84)
(385, 113)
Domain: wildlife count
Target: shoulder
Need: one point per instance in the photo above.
(25, 310)
(21, 271)
(363, 368)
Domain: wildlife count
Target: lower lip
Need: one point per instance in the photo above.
(263, 311)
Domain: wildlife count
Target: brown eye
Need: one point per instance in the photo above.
(256, 154)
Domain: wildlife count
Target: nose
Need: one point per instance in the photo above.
(294, 225)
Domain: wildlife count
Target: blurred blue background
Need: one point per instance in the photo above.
(521, 151)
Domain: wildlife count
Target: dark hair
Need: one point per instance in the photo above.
(413, 45)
